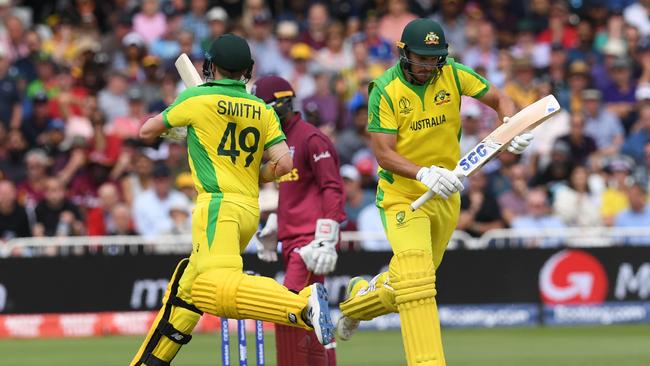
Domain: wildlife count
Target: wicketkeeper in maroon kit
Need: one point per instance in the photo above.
(310, 210)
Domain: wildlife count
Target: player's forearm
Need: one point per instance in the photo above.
(153, 127)
(392, 161)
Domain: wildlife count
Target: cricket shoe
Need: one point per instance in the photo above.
(346, 326)
(318, 313)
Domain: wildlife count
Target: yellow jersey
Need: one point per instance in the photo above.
(228, 130)
(426, 119)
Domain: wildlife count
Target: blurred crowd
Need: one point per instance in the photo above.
(78, 78)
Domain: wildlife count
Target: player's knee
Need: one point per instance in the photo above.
(412, 276)
(215, 292)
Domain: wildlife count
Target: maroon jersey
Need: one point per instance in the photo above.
(314, 188)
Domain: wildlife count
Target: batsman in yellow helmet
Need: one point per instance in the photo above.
(228, 133)
(414, 124)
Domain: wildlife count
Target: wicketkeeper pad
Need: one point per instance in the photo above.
(412, 275)
(227, 292)
(370, 301)
(171, 328)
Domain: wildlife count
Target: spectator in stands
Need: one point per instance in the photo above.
(179, 212)
(99, 220)
(127, 125)
(519, 87)
(559, 28)
(513, 201)
(217, 19)
(150, 22)
(354, 138)
(286, 34)
(363, 69)
(574, 203)
(637, 215)
(263, 44)
(140, 179)
(10, 100)
(604, 126)
(112, 100)
(638, 15)
(642, 172)
(454, 22)
(185, 185)
(318, 19)
(32, 189)
(584, 49)
(13, 217)
(196, 22)
(526, 47)
(558, 169)
(356, 198)
(322, 107)
(336, 55)
(579, 80)
(122, 221)
(471, 131)
(394, 21)
(639, 135)
(379, 48)
(34, 128)
(479, 210)
(152, 207)
(166, 47)
(619, 94)
(484, 53)
(615, 199)
(299, 76)
(56, 215)
(538, 219)
(581, 146)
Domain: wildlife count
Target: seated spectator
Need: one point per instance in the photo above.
(336, 55)
(578, 80)
(519, 87)
(35, 127)
(379, 48)
(356, 198)
(32, 189)
(150, 22)
(12, 163)
(636, 216)
(370, 222)
(471, 131)
(574, 203)
(151, 208)
(538, 219)
(614, 199)
(128, 125)
(619, 95)
(99, 220)
(581, 146)
(112, 99)
(604, 126)
(639, 135)
(122, 221)
(318, 18)
(479, 210)
(355, 138)
(13, 217)
(299, 76)
(140, 179)
(185, 185)
(179, 212)
(558, 169)
(322, 107)
(513, 201)
(263, 44)
(56, 215)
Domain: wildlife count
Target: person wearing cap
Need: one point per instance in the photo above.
(264, 44)
(604, 126)
(578, 80)
(414, 123)
(300, 75)
(311, 207)
(128, 125)
(217, 18)
(619, 94)
(614, 200)
(228, 133)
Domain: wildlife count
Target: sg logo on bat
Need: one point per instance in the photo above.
(473, 157)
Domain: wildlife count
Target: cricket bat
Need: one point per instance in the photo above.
(526, 120)
(190, 78)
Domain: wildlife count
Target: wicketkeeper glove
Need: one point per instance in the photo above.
(175, 133)
(320, 254)
(267, 240)
(519, 143)
(440, 181)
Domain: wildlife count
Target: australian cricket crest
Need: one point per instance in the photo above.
(400, 217)
(405, 106)
(431, 39)
(442, 97)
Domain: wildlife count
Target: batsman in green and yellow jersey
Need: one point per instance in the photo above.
(414, 124)
(228, 132)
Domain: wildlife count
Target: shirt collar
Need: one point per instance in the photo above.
(229, 82)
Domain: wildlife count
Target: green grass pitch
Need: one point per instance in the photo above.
(575, 346)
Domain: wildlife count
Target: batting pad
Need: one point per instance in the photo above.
(229, 293)
(372, 300)
(172, 327)
(413, 277)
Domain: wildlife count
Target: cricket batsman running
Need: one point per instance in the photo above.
(228, 131)
(311, 207)
(414, 124)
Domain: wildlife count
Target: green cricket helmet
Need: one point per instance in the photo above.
(231, 53)
(423, 37)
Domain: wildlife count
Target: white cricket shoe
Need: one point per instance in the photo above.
(319, 314)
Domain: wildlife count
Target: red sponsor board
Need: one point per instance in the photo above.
(573, 277)
(97, 324)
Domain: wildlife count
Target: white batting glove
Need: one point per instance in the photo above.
(519, 144)
(320, 254)
(267, 240)
(440, 181)
(175, 133)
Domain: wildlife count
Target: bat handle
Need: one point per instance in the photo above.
(420, 201)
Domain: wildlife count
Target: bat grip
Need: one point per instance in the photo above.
(420, 201)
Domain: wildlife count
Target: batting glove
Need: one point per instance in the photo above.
(320, 254)
(519, 144)
(175, 133)
(440, 181)
(267, 240)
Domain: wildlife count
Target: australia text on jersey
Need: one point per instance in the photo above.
(428, 122)
(237, 109)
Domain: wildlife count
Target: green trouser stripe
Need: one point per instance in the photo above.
(380, 206)
(213, 216)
